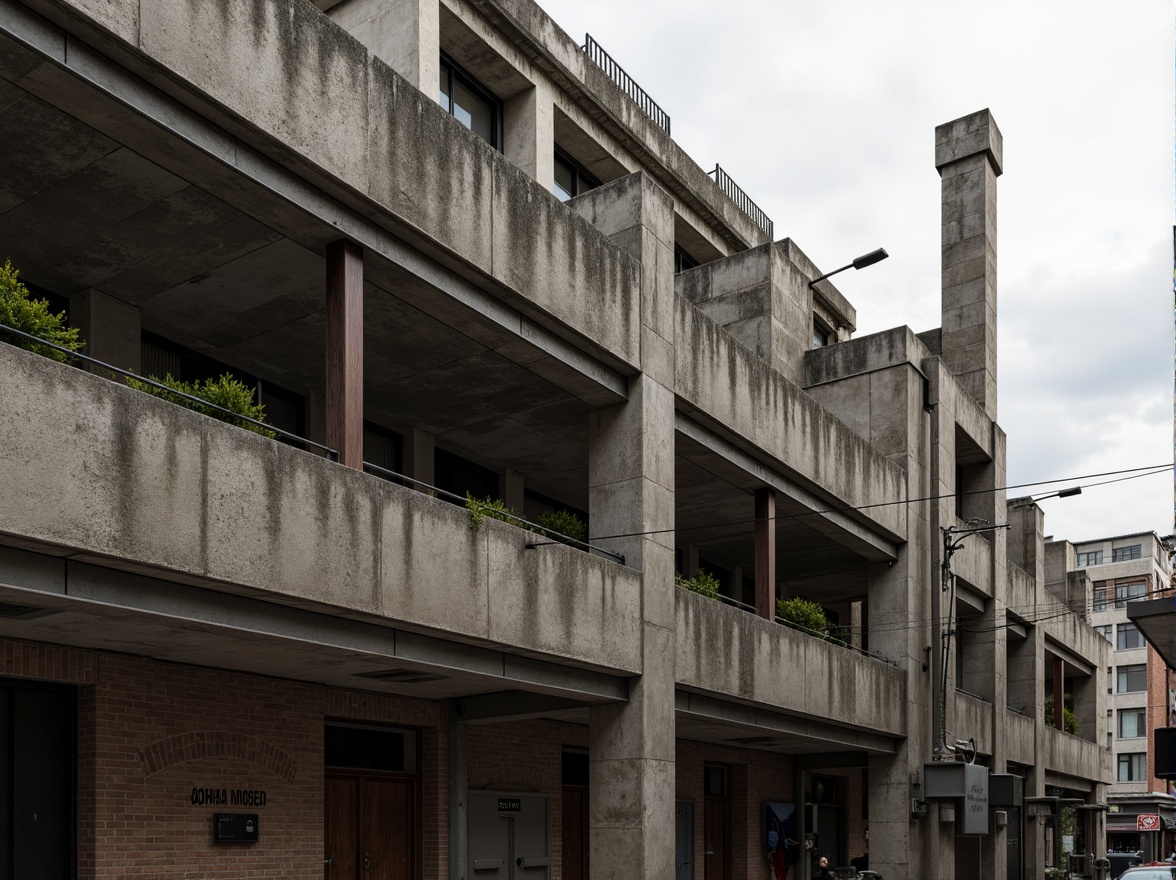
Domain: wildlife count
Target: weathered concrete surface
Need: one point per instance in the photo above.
(973, 718)
(771, 665)
(111, 473)
(1071, 756)
(1019, 738)
(324, 106)
(725, 382)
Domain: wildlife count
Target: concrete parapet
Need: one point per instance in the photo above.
(774, 666)
(185, 497)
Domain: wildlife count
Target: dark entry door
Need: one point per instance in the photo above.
(575, 833)
(715, 838)
(370, 827)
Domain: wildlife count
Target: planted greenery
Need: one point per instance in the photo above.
(562, 525)
(495, 508)
(704, 583)
(224, 391)
(18, 309)
(1069, 719)
(803, 614)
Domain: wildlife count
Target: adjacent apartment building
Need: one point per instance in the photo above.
(1119, 570)
(457, 253)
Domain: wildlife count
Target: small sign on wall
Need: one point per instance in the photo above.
(1147, 822)
(234, 828)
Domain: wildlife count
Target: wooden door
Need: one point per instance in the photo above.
(371, 828)
(575, 833)
(715, 838)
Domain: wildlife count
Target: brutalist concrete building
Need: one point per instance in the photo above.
(456, 252)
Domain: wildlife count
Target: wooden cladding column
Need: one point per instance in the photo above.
(1059, 693)
(765, 553)
(345, 352)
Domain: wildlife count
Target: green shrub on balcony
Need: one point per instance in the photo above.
(224, 391)
(562, 525)
(1069, 719)
(495, 508)
(804, 615)
(704, 583)
(21, 312)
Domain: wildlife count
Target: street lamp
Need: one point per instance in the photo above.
(1061, 493)
(860, 263)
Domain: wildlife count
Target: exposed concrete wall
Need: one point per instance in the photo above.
(167, 489)
(760, 297)
(738, 391)
(764, 662)
(401, 33)
(974, 717)
(968, 155)
(631, 492)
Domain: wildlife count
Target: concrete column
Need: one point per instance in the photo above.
(345, 352)
(418, 457)
(631, 490)
(404, 34)
(968, 156)
(765, 553)
(529, 122)
(110, 327)
(512, 490)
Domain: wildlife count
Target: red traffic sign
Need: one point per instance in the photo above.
(1147, 822)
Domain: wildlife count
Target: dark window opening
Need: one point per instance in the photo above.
(574, 768)
(370, 748)
(714, 780)
(462, 477)
(284, 409)
(536, 504)
(571, 178)
(822, 335)
(470, 102)
(683, 260)
(383, 448)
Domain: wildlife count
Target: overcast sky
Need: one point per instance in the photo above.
(824, 113)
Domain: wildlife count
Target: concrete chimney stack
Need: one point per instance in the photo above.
(968, 156)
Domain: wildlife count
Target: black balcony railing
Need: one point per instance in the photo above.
(742, 202)
(626, 83)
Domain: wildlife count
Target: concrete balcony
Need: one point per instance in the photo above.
(1019, 737)
(109, 476)
(973, 718)
(1069, 755)
(772, 677)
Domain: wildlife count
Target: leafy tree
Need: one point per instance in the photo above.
(21, 312)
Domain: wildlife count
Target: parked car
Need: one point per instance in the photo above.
(1151, 871)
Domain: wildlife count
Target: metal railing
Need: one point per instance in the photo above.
(232, 417)
(492, 512)
(626, 83)
(741, 200)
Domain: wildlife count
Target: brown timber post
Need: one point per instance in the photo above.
(345, 352)
(765, 553)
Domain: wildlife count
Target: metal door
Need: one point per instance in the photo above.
(1014, 831)
(508, 836)
(684, 841)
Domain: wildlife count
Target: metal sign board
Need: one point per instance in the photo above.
(1147, 822)
(975, 819)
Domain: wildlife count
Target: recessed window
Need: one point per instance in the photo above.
(1128, 637)
(1132, 767)
(1104, 631)
(1132, 723)
(571, 178)
(1102, 598)
(1125, 554)
(1132, 591)
(683, 260)
(1132, 679)
(470, 103)
(1093, 557)
(822, 335)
